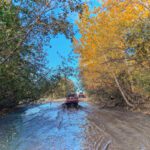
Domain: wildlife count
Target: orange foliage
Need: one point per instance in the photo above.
(102, 45)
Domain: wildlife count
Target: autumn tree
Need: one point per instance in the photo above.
(109, 50)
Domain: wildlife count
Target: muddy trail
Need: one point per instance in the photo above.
(52, 127)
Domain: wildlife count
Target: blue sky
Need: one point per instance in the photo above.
(64, 46)
(60, 45)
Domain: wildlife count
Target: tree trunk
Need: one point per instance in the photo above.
(119, 87)
(122, 93)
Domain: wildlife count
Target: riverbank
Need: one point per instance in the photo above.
(40, 101)
(37, 102)
(144, 109)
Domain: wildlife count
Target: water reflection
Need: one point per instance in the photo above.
(53, 127)
(47, 126)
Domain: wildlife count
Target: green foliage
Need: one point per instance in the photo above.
(23, 31)
(138, 38)
(60, 88)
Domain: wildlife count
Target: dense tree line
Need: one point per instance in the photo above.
(115, 52)
(25, 26)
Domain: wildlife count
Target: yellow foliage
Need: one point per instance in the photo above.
(102, 45)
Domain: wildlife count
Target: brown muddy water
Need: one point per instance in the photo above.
(52, 127)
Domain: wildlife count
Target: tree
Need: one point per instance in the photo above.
(103, 47)
(25, 27)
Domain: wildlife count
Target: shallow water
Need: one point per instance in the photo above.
(51, 127)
